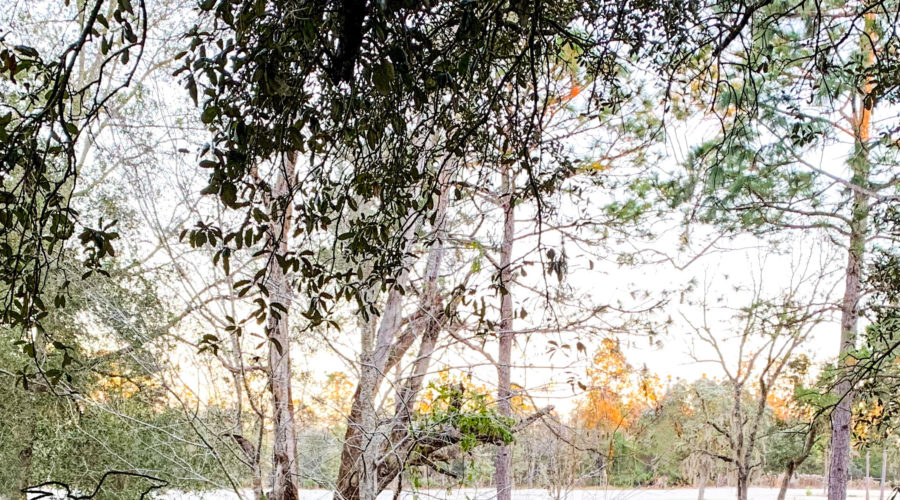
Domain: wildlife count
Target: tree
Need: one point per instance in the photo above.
(768, 332)
(51, 108)
(503, 464)
(757, 175)
(799, 414)
(278, 334)
(358, 151)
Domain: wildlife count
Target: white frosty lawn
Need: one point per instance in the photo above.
(592, 494)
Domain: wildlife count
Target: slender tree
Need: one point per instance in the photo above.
(503, 464)
(769, 332)
(760, 173)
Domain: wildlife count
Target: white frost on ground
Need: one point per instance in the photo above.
(589, 494)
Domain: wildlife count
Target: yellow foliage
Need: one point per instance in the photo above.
(617, 393)
(446, 379)
(336, 397)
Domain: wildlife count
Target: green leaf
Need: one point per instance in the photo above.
(209, 114)
(229, 194)
(382, 76)
(26, 51)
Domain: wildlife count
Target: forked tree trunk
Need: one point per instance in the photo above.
(284, 440)
(503, 461)
(377, 339)
(390, 346)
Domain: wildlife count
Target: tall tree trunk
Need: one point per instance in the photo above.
(284, 445)
(859, 218)
(366, 463)
(883, 471)
(503, 461)
(840, 417)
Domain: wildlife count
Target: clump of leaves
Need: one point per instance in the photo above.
(471, 414)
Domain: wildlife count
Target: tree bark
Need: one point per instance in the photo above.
(369, 373)
(503, 461)
(284, 445)
(883, 471)
(839, 468)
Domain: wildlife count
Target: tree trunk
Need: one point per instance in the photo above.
(368, 381)
(743, 484)
(867, 474)
(883, 471)
(786, 480)
(701, 488)
(859, 163)
(838, 475)
(503, 462)
(795, 462)
(284, 440)
(251, 453)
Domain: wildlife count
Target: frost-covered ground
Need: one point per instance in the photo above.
(591, 494)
